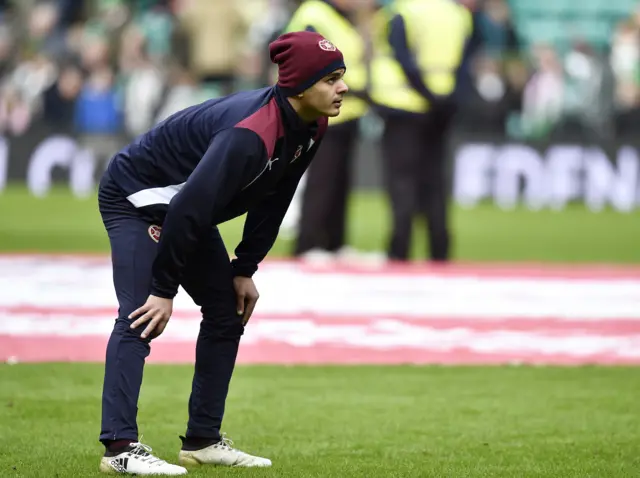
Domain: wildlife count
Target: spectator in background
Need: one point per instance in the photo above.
(488, 103)
(496, 30)
(98, 119)
(98, 107)
(181, 92)
(7, 46)
(625, 63)
(93, 50)
(543, 96)
(15, 113)
(70, 12)
(58, 109)
(215, 31)
(516, 76)
(272, 20)
(32, 77)
(143, 82)
(154, 19)
(44, 36)
(489, 98)
(109, 16)
(586, 86)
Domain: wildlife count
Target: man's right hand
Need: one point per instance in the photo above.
(158, 311)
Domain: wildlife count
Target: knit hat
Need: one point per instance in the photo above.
(303, 58)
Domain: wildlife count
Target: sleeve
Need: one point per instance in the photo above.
(263, 223)
(404, 56)
(224, 168)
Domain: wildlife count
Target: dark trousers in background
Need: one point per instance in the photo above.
(414, 158)
(209, 281)
(324, 202)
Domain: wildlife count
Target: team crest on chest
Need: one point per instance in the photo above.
(297, 153)
(154, 232)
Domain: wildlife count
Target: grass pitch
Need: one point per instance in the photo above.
(60, 223)
(346, 421)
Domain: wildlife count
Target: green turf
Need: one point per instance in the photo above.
(346, 421)
(60, 223)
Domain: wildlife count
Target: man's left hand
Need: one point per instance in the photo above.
(247, 296)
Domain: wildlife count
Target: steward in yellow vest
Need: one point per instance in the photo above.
(419, 46)
(335, 23)
(324, 192)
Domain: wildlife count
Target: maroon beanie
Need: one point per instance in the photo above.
(303, 58)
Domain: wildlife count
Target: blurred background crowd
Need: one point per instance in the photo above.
(107, 66)
(108, 70)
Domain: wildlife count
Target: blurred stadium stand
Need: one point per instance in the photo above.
(103, 71)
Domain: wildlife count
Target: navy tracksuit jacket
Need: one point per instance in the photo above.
(209, 163)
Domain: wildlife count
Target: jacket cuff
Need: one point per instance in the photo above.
(243, 269)
(164, 292)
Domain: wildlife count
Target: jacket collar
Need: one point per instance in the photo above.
(290, 119)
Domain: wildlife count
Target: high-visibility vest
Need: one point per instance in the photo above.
(437, 31)
(334, 27)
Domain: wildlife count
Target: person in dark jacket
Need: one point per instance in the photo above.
(161, 199)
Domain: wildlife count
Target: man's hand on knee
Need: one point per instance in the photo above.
(247, 296)
(157, 311)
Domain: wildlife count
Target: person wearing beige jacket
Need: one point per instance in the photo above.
(215, 32)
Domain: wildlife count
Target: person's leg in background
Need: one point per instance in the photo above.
(326, 192)
(401, 153)
(335, 217)
(432, 193)
(208, 279)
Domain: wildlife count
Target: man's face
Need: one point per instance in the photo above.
(325, 97)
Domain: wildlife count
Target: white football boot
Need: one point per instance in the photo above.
(220, 453)
(138, 460)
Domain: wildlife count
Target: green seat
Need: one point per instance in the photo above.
(559, 8)
(616, 8)
(562, 22)
(542, 30)
(589, 8)
(526, 8)
(595, 31)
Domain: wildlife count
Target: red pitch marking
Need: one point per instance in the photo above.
(481, 342)
(552, 325)
(91, 349)
(492, 270)
(522, 270)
